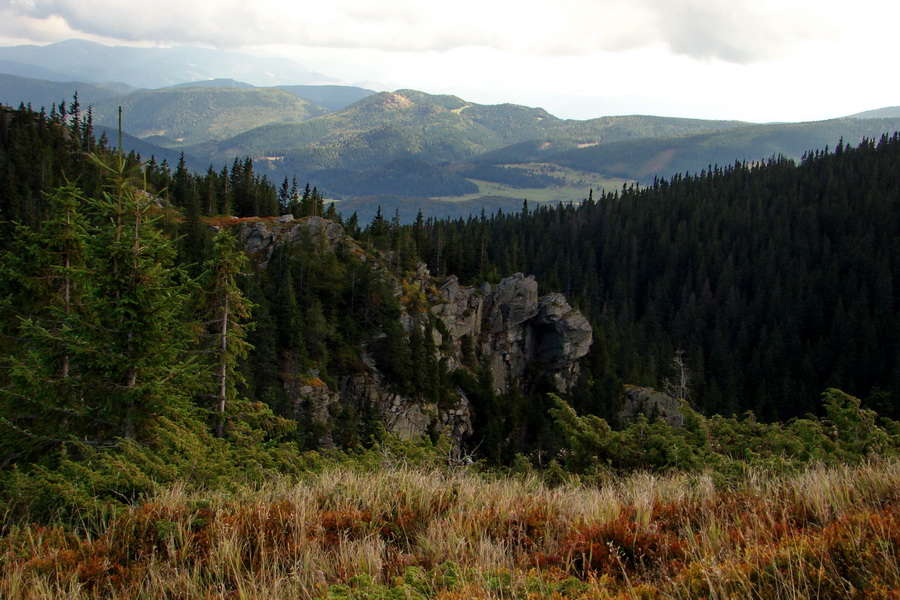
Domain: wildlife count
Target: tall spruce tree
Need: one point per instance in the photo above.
(135, 331)
(43, 289)
(225, 311)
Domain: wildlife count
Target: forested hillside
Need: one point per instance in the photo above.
(776, 280)
(771, 281)
(647, 159)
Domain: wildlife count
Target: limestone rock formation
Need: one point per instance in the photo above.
(262, 237)
(513, 328)
(651, 403)
(507, 326)
(402, 416)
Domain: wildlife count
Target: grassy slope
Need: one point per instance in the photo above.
(400, 532)
(645, 158)
(191, 115)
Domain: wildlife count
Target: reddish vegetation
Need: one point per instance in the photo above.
(620, 547)
(232, 221)
(468, 539)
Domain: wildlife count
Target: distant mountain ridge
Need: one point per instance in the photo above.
(184, 115)
(154, 67)
(647, 158)
(354, 142)
(332, 97)
(888, 112)
(15, 89)
(437, 129)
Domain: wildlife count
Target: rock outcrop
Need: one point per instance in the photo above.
(262, 237)
(651, 403)
(402, 416)
(507, 326)
(513, 328)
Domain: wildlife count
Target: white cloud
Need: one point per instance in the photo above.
(759, 60)
(706, 29)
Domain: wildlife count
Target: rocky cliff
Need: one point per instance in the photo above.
(507, 327)
(514, 329)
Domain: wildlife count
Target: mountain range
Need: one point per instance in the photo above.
(368, 148)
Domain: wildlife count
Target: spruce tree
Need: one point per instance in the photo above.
(43, 288)
(226, 312)
(135, 331)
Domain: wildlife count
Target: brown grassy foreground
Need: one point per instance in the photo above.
(827, 532)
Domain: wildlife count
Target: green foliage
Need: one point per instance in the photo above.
(726, 445)
(775, 278)
(224, 313)
(90, 482)
(114, 343)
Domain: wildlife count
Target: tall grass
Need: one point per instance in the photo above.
(402, 532)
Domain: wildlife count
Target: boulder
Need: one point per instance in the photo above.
(651, 403)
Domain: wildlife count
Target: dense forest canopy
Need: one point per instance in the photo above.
(776, 280)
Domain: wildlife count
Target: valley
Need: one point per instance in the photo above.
(346, 140)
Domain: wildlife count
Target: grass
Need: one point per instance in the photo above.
(826, 532)
(577, 184)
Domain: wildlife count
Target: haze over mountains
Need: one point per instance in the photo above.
(385, 147)
(80, 60)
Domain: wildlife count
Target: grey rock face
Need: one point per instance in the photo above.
(507, 325)
(565, 334)
(261, 238)
(513, 328)
(402, 416)
(651, 403)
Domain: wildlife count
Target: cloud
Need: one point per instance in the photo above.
(739, 32)
(703, 29)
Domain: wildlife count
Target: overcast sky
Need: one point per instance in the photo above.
(765, 60)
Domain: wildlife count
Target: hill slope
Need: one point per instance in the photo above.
(644, 159)
(189, 115)
(43, 93)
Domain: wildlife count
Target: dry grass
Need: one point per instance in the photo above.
(828, 532)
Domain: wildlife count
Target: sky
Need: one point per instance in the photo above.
(762, 61)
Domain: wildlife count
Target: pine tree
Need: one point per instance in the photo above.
(44, 286)
(284, 196)
(226, 313)
(135, 332)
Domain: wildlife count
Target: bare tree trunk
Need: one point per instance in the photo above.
(223, 366)
(66, 299)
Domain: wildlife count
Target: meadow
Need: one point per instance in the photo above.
(386, 528)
